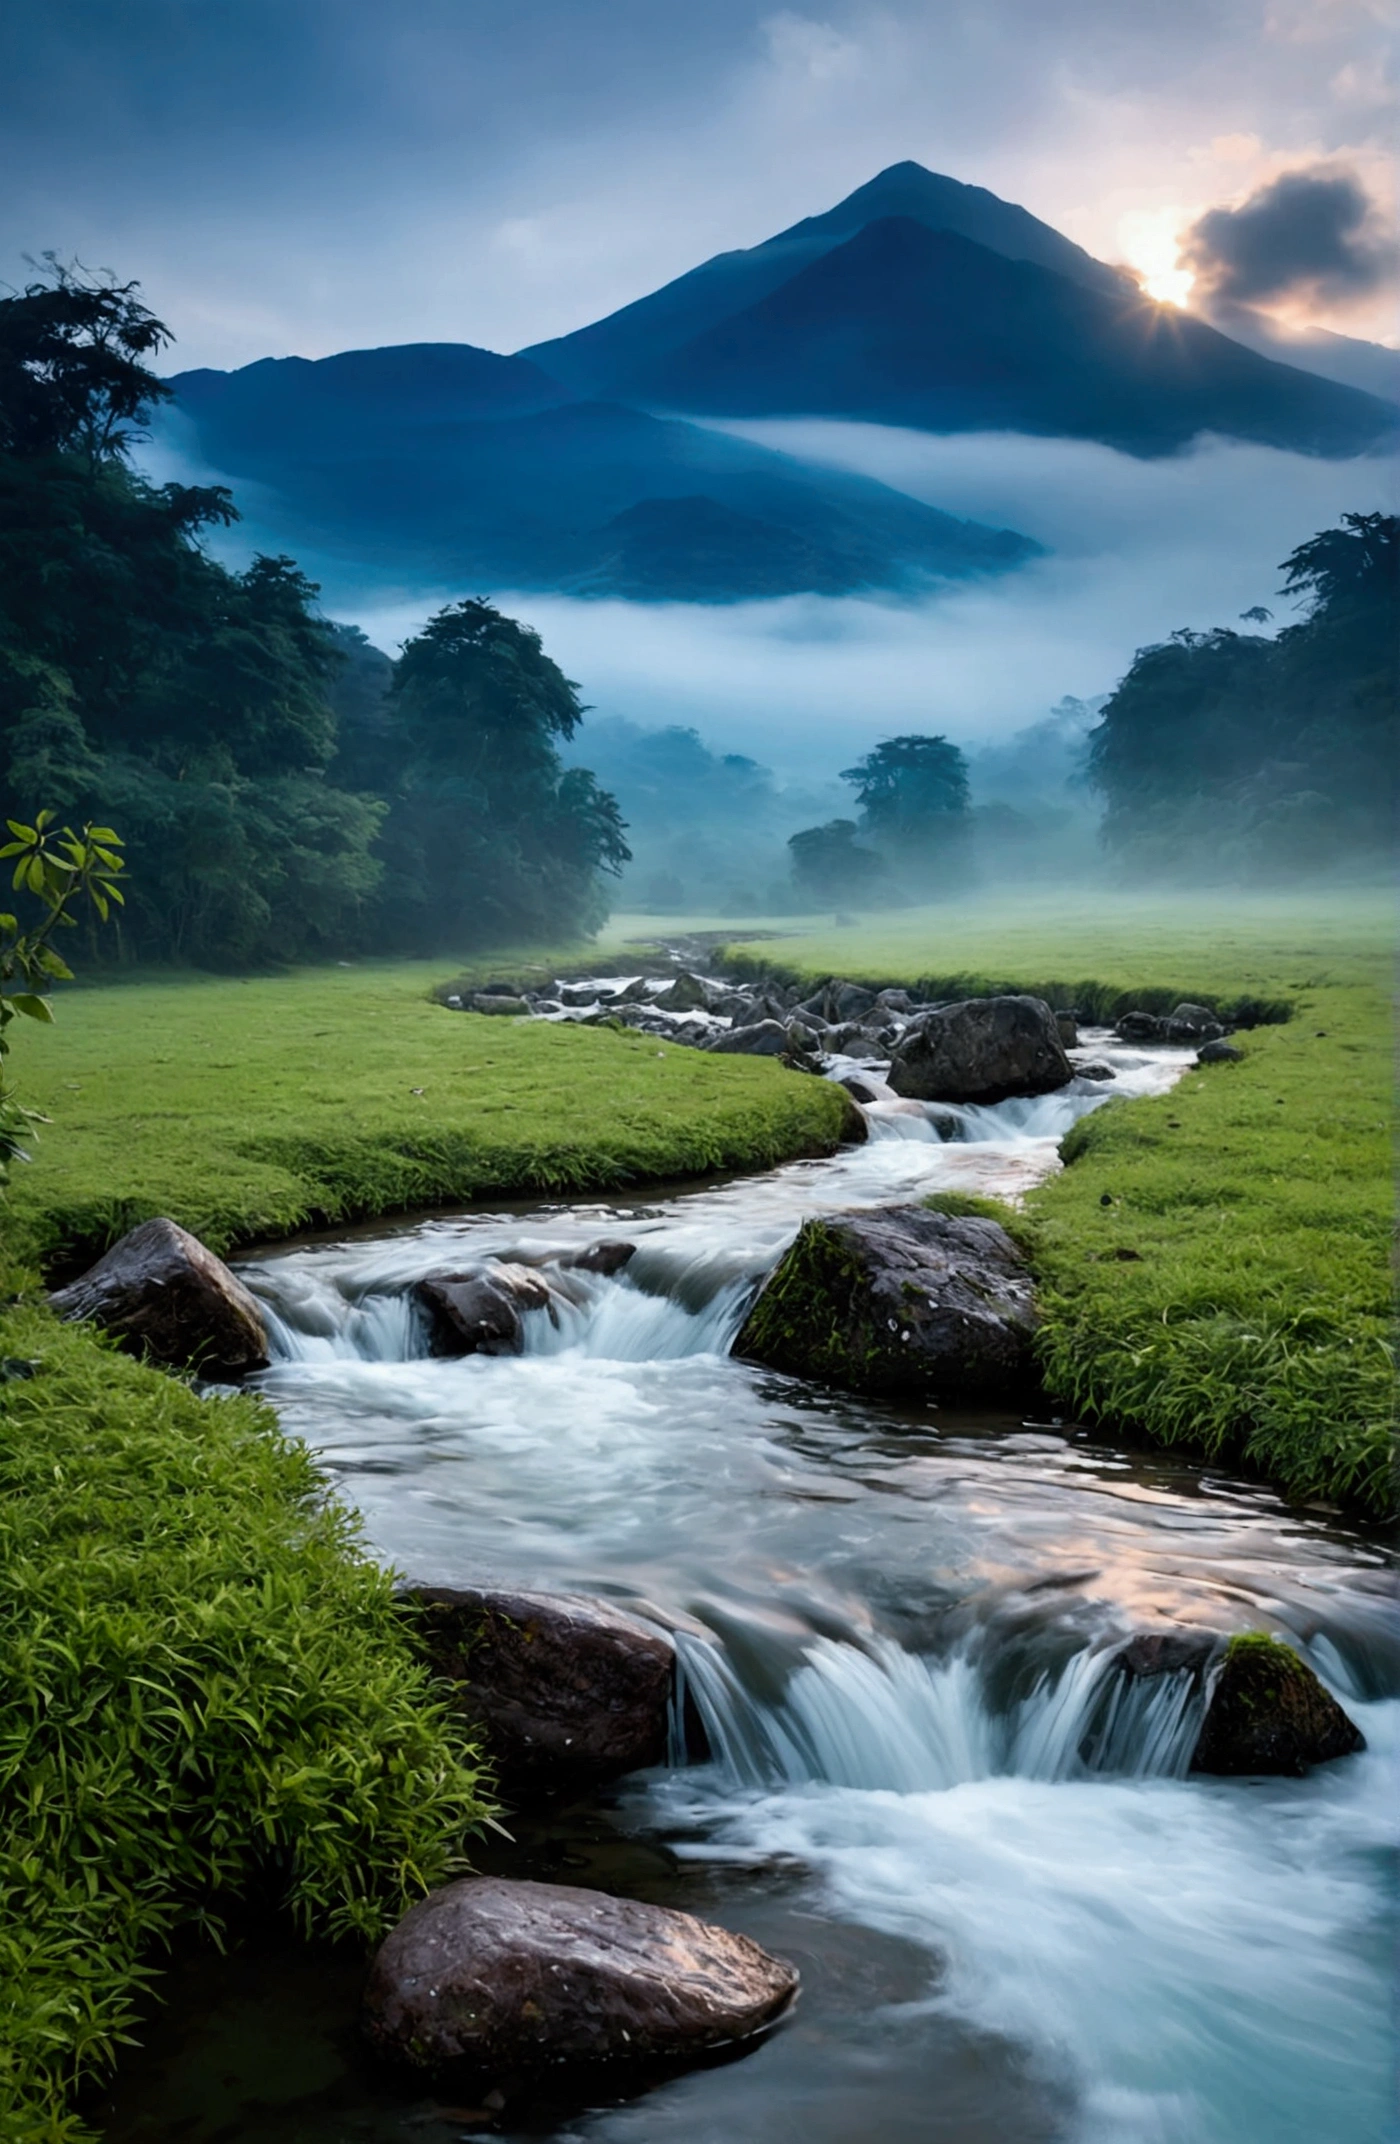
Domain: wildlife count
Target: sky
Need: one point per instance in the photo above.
(302, 176)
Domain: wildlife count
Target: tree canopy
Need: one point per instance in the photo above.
(284, 790)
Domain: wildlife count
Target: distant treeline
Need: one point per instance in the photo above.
(1239, 756)
(283, 790)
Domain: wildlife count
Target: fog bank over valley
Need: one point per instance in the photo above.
(1136, 550)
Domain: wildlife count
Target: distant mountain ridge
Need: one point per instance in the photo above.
(574, 465)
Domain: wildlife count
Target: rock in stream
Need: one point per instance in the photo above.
(900, 1301)
(568, 1691)
(501, 1975)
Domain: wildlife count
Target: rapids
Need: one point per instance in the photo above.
(904, 1753)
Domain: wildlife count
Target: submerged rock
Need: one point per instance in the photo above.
(903, 1301)
(499, 1975)
(480, 1313)
(982, 1050)
(169, 1298)
(567, 1691)
(1269, 1714)
(1095, 1069)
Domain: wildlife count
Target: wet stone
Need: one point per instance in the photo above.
(1269, 1714)
(166, 1296)
(568, 1691)
(499, 1975)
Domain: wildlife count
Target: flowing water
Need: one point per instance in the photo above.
(925, 1777)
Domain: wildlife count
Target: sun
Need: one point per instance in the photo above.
(1151, 247)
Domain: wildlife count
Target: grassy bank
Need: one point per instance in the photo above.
(1214, 1266)
(206, 1693)
(248, 1109)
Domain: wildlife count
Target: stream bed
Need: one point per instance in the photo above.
(1016, 1915)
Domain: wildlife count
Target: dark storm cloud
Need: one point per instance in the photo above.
(1312, 233)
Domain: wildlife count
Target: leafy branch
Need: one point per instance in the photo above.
(66, 874)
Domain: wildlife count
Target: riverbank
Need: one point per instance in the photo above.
(250, 1109)
(207, 1697)
(1214, 1266)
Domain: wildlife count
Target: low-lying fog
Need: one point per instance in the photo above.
(1137, 548)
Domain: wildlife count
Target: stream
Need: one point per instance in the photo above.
(1016, 1916)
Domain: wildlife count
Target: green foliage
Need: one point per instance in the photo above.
(57, 872)
(73, 376)
(207, 1694)
(1245, 756)
(910, 788)
(251, 1109)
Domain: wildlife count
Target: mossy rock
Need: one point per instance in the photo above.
(904, 1302)
(1269, 1714)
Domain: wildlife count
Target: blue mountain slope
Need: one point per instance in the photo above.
(601, 358)
(905, 325)
(458, 467)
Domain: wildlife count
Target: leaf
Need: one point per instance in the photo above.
(35, 1008)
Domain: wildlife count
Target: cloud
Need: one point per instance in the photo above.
(1313, 235)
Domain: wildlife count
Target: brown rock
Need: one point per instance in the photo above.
(1269, 1714)
(501, 1975)
(567, 1691)
(480, 1313)
(169, 1298)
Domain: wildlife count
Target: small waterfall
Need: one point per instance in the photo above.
(877, 1717)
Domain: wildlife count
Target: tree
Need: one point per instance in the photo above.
(910, 788)
(59, 873)
(73, 376)
(828, 865)
(489, 837)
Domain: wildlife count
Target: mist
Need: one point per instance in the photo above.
(1136, 550)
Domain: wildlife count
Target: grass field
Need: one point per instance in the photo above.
(248, 1109)
(1213, 1266)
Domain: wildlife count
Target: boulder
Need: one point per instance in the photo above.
(1095, 1069)
(981, 1050)
(1268, 1713)
(850, 1001)
(489, 1002)
(1140, 1027)
(766, 1038)
(686, 994)
(1068, 1025)
(480, 1313)
(901, 1301)
(738, 1005)
(567, 1691)
(1193, 1023)
(500, 1975)
(1219, 1053)
(166, 1297)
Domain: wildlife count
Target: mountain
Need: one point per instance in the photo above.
(600, 359)
(476, 470)
(910, 326)
(1372, 366)
(923, 302)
